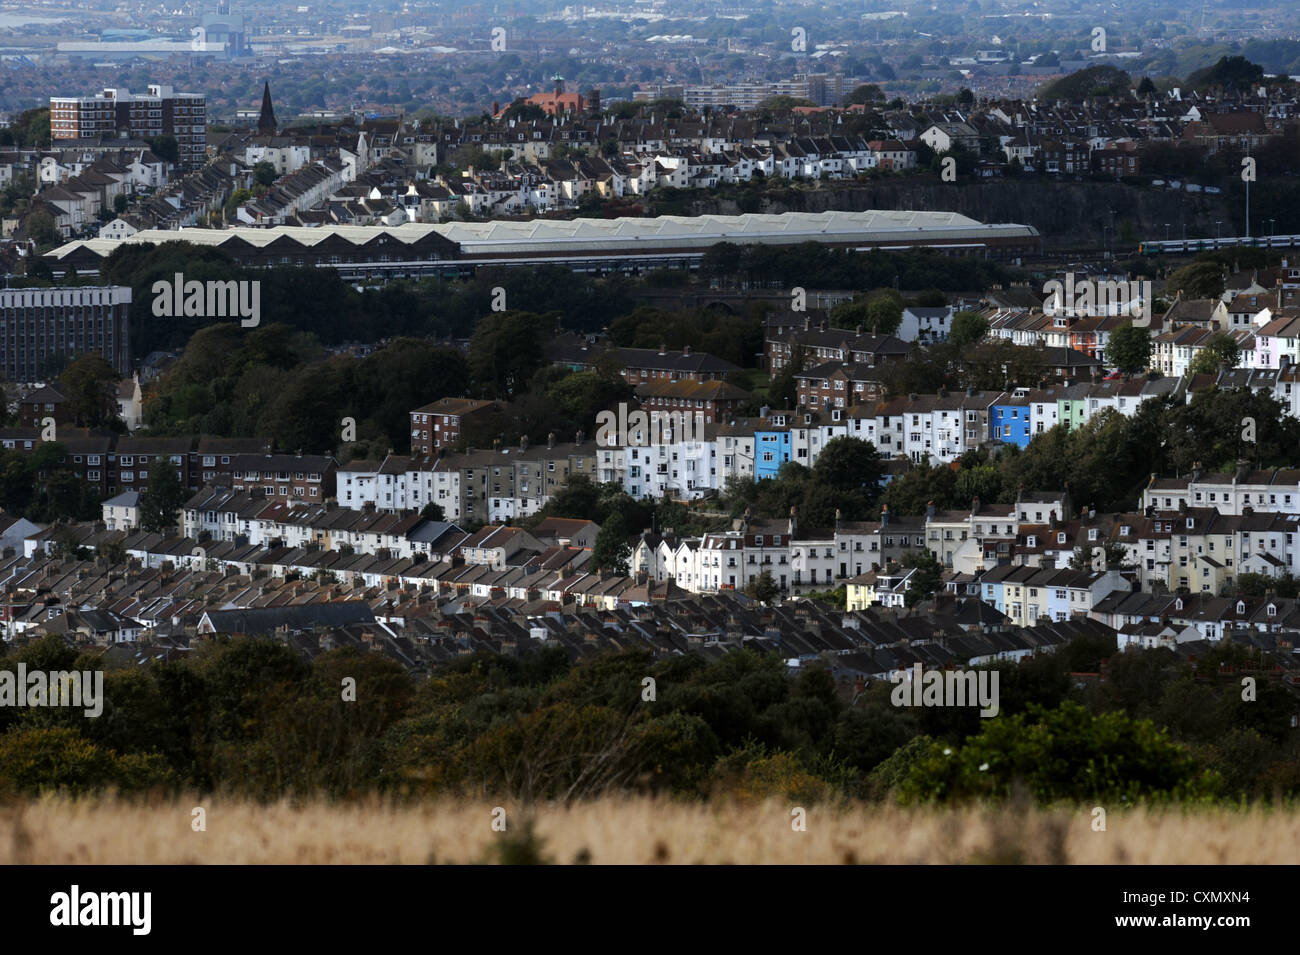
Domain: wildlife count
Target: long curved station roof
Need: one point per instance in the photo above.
(505, 239)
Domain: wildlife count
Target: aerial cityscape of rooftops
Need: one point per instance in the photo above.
(659, 407)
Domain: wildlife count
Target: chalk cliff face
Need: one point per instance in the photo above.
(1065, 213)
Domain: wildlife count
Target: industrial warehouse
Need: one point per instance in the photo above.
(587, 245)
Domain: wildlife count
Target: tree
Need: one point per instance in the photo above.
(1201, 279)
(967, 328)
(884, 315)
(1212, 429)
(880, 313)
(42, 229)
(590, 205)
(29, 128)
(1082, 557)
(611, 551)
(1062, 754)
(264, 173)
(433, 512)
(1093, 81)
(237, 199)
(90, 386)
(1129, 348)
(505, 350)
(1146, 87)
(1111, 555)
(523, 111)
(1231, 73)
(165, 147)
(1258, 585)
(580, 497)
(762, 588)
(783, 389)
(1219, 349)
(837, 597)
(784, 102)
(39, 760)
(851, 469)
(864, 94)
(160, 504)
(910, 493)
(581, 395)
(120, 202)
(927, 578)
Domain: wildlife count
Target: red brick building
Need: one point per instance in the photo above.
(716, 400)
(557, 101)
(45, 402)
(286, 476)
(838, 385)
(439, 425)
(639, 364)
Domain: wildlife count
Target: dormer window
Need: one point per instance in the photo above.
(1178, 604)
(1272, 610)
(1241, 606)
(1191, 522)
(1060, 538)
(1092, 533)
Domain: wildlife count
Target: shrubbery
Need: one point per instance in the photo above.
(251, 717)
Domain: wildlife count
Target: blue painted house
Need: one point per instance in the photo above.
(771, 450)
(1009, 419)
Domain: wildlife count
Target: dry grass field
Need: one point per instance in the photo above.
(629, 831)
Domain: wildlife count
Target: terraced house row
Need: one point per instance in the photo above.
(138, 615)
(506, 483)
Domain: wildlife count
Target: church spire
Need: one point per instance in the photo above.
(266, 122)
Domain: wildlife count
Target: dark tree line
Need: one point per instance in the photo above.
(251, 717)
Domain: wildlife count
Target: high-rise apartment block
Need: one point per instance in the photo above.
(822, 89)
(121, 113)
(43, 328)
